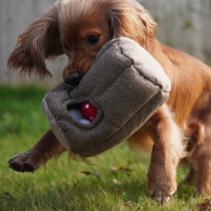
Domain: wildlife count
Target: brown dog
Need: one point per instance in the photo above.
(79, 28)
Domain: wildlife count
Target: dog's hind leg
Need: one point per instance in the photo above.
(200, 157)
(201, 163)
(39, 154)
(199, 147)
(195, 135)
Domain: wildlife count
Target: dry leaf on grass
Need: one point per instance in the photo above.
(115, 181)
(117, 191)
(205, 205)
(124, 168)
(114, 168)
(88, 173)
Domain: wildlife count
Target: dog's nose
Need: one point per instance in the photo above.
(73, 79)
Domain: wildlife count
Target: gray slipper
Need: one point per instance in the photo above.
(124, 87)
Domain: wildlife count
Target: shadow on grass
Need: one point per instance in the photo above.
(112, 191)
(90, 194)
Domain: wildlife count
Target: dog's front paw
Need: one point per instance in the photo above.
(161, 186)
(25, 162)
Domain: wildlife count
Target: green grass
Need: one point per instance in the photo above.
(60, 185)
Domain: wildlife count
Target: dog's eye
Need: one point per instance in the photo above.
(93, 39)
(66, 47)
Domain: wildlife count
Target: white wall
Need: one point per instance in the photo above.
(183, 24)
(15, 15)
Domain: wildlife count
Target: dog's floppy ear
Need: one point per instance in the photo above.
(41, 40)
(130, 19)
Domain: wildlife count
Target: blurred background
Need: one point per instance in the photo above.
(183, 24)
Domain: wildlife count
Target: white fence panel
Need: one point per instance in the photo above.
(183, 24)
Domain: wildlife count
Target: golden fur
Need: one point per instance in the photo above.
(79, 28)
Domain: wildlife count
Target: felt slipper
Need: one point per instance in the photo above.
(122, 89)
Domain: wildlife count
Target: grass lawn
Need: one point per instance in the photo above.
(116, 181)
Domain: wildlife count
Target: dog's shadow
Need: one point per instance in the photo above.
(88, 194)
(84, 194)
(51, 189)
